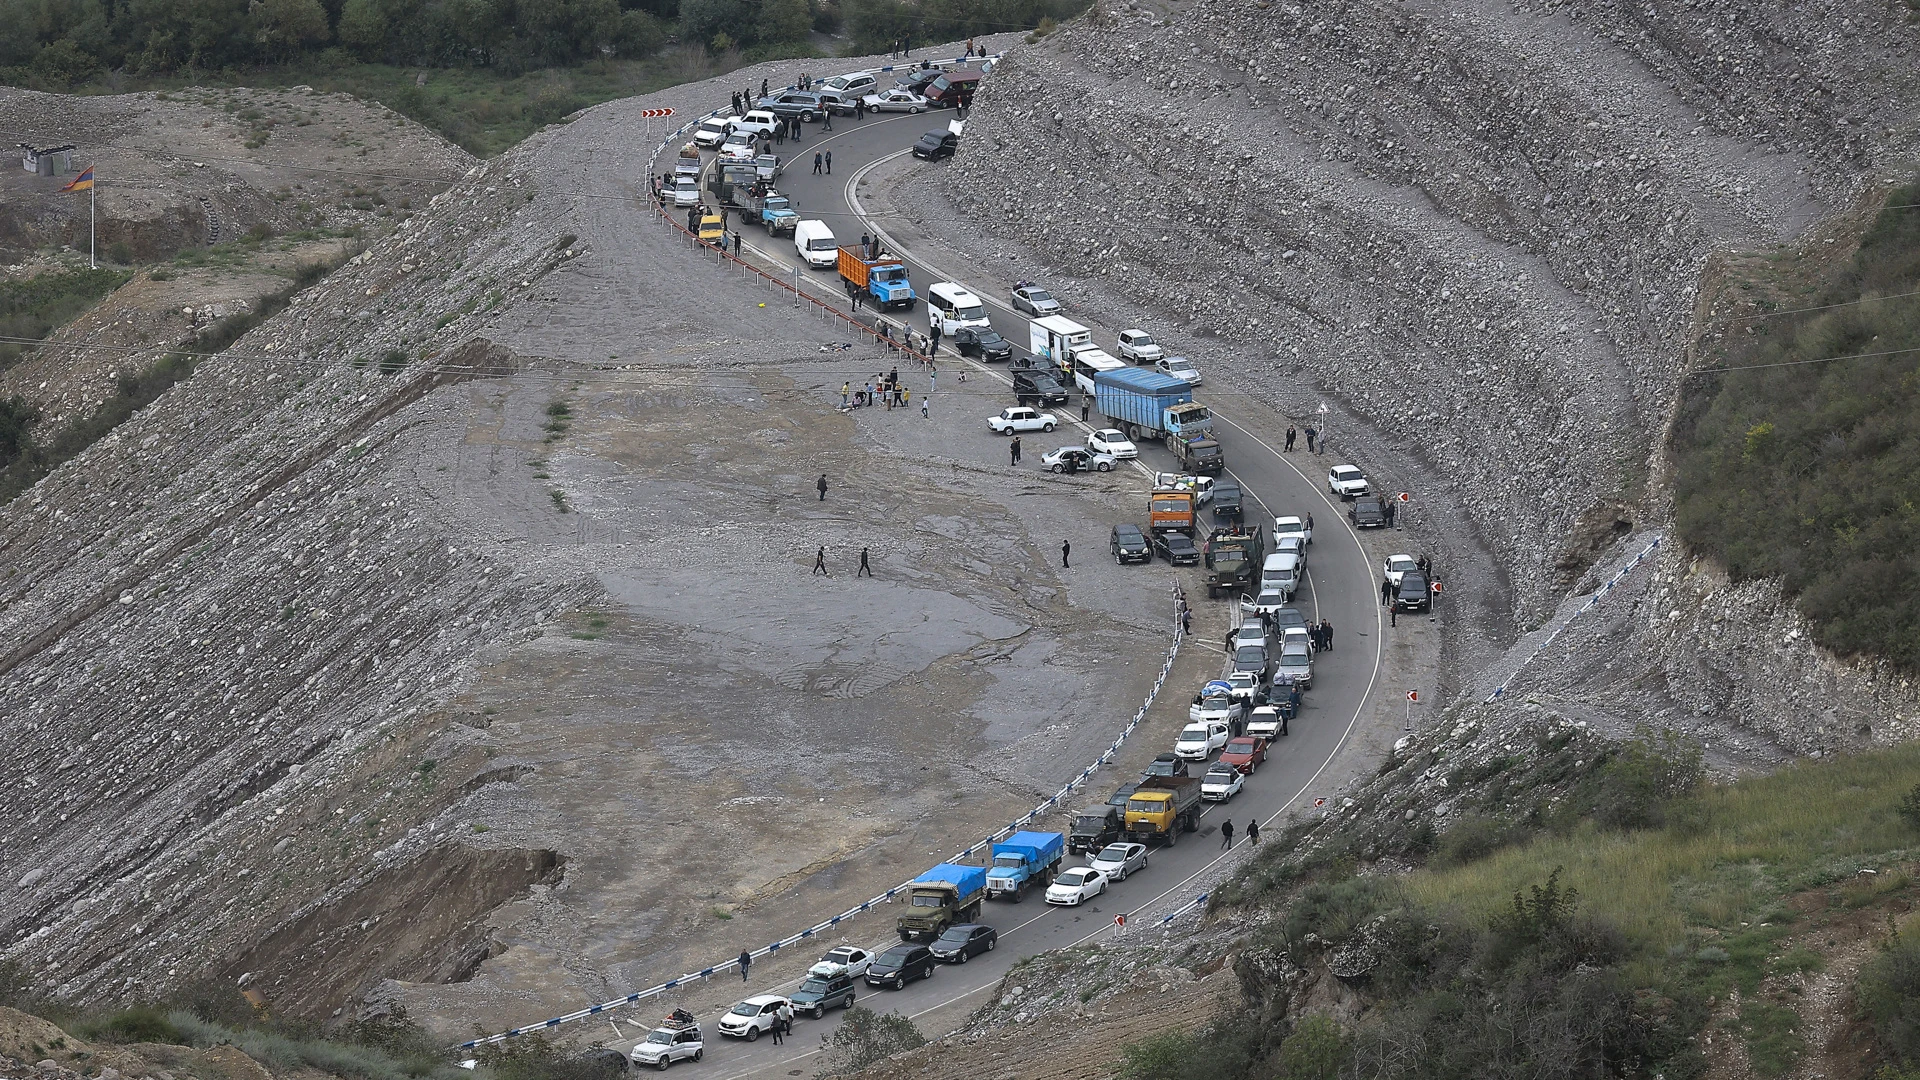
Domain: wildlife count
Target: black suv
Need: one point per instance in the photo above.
(1095, 828)
(817, 995)
(964, 942)
(1118, 800)
(901, 965)
(983, 342)
(1165, 765)
(1368, 512)
(1129, 544)
(1177, 548)
(1414, 593)
(1037, 387)
(1226, 501)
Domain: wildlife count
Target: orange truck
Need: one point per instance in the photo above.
(1170, 510)
(884, 279)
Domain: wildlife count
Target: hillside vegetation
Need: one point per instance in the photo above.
(1802, 461)
(1611, 931)
(493, 73)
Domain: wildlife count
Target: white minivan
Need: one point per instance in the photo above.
(1280, 573)
(815, 243)
(950, 306)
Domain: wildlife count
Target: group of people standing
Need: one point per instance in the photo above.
(1314, 446)
(885, 390)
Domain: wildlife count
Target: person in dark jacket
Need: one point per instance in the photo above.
(1066, 549)
(746, 958)
(821, 487)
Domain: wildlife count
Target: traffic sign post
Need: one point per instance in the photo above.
(1413, 696)
(650, 114)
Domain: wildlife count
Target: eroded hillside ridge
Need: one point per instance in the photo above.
(1478, 229)
(218, 622)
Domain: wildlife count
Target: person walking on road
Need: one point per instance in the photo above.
(1013, 452)
(1386, 592)
(819, 570)
(1086, 406)
(846, 391)
(816, 163)
(1226, 834)
(1310, 437)
(1066, 549)
(933, 339)
(826, 122)
(1186, 620)
(746, 958)
(864, 568)
(1290, 434)
(822, 487)
(1253, 831)
(1326, 627)
(829, 160)
(784, 1024)
(763, 87)
(926, 402)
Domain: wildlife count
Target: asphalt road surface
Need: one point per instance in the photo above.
(1341, 586)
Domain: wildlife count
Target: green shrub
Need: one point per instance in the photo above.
(1888, 989)
(142, 1023)
(1806, 471)
(1472, 838)
(392, 361)
(1317, 1049)
(865, 1037)
(34, 307)
(1910, 807)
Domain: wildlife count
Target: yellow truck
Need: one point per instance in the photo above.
(1162, 808)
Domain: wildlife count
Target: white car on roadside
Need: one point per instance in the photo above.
(740, 148)
(1139, 347)
(1292, 544)
(1396, 566)
(897, 99)
(1112, 441)
(1022, 418)
(1346, 482)
(1215, 703)
(1179, 367)
(1245, 684)
(670, 1043)
(753, 1016)
(1119, 861)
(845, 960)
(1221, 782)
(1076, 886)
(1196, 741)
(1083, 460)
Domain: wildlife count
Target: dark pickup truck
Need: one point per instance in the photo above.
(1368, 512)
(1095, 828)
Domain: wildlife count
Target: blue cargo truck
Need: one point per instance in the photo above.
(947, 895)
(1147, 404)
(1023, 860)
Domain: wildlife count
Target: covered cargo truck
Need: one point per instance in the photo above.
(1147, 404)
(1162, 808)
(947, 895)
(1233, 556)
(1198, 454)
(1023, 860)
(884, 279)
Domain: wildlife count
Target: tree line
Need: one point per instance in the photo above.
(57, 44)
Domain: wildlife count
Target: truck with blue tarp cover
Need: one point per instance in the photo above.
(1022, 860)
(1148, 404)
(947, 895)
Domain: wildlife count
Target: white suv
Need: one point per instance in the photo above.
(752, 1016)
(1139, 347)
(1346, 482)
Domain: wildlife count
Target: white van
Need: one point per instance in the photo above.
(1280, 573)
(950, 306)
(815, 243)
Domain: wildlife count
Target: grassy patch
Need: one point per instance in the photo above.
(34, 307)
(1810, 472)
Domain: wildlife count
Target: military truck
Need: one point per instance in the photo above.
(947, 895)
(1233, 555)
(1162, 808)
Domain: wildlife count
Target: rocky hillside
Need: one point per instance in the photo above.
(1474, 233)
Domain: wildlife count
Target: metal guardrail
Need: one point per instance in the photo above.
(1598, 595)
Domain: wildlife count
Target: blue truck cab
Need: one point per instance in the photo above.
(889, 285)
(1024, 860)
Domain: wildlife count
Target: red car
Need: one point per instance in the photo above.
(1245, 753)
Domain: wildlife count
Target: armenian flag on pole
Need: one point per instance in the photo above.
(83, 182)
